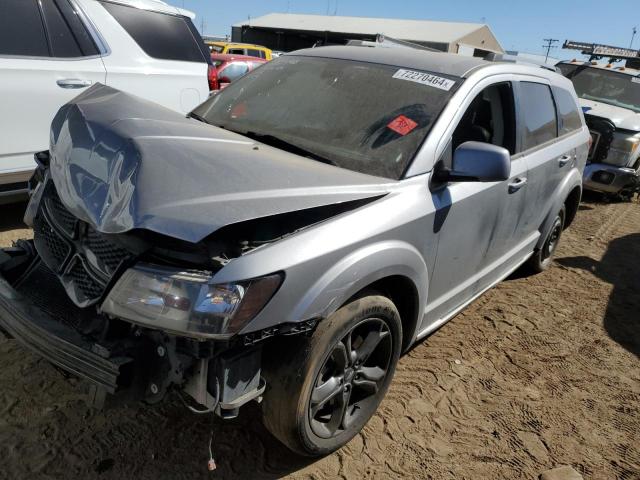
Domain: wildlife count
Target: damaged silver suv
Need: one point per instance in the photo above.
(292, 236)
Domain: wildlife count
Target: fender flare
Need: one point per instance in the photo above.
(559, 198)
(361, 268)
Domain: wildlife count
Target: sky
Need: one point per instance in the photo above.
(518, 24)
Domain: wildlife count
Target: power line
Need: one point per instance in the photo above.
(549, 44)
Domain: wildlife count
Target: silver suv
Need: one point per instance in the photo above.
(294, 234)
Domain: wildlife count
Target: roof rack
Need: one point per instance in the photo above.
(508, 58)
(597, 51)
(388, 42)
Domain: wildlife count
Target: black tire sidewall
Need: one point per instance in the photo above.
(309, 359)
(540, 263)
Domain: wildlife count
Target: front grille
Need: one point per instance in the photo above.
(82, 280)
(41, 286)
(83, 259)
(56, 250)
(602, 131)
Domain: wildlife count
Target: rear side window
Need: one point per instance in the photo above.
(21, 29)
(568, 115)
(160, 35)
(539, 122)
(254, 53)
(236, 51)
(63, 43)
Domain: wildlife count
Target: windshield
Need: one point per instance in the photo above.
(607, 86)
(365, 117)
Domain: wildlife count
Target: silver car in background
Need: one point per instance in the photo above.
(294, 234)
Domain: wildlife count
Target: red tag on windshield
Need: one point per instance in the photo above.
(402, 125)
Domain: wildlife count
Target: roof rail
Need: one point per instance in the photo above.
(389, 42)
(597, 51)
(505, 57)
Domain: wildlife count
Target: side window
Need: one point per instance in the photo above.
(160, 35)
(569, 118)
(236, 51)
(63, 42)
(539, 122)
(234, 71)
(22, 30)
(252, 52)
(490, 118)
(84, 40)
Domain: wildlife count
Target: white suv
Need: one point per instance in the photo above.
(51, 50)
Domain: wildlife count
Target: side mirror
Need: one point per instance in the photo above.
(478, 162)
(224, 80)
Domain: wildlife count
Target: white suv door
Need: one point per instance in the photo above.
(157, 55)
(46, 59)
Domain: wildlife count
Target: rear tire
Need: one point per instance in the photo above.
(323, 389)
(543, 257)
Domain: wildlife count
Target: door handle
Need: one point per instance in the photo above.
(517, 184)
(563, 160)
(73, 83)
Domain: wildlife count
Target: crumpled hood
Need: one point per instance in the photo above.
(621, 117)
(121, 163)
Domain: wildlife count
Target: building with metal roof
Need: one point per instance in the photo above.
(287, 32)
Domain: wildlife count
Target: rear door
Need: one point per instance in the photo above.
(46, 59)
(548, 158)
(155, 55)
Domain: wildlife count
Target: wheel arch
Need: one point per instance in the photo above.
(572, 202)
(569, 190)
(404, 294)
(393, 268)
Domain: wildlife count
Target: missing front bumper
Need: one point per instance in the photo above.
(59, 344)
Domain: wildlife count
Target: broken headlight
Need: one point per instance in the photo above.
(623, 148)
(187, 302)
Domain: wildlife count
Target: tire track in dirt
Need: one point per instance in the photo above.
(524, 379)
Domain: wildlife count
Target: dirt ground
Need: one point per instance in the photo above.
(540, 371)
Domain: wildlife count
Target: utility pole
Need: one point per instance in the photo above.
(633, 35)
(549, 44)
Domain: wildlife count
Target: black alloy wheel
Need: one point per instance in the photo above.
(350, 380)
(323, 389)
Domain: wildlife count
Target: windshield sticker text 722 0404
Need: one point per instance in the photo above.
(424, 79)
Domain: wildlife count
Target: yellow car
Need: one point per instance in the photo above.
(240, 49)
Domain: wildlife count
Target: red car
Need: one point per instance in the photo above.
(229, 68)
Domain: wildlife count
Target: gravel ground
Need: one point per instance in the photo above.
(541, 371)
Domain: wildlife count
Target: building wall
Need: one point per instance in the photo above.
(481, 39)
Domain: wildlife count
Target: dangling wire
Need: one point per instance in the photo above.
(211, 464)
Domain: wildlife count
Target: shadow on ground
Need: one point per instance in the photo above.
(620, 267)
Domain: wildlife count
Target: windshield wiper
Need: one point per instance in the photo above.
(278, 142)
(197, 117)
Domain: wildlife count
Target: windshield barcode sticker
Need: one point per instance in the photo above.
(424, 79)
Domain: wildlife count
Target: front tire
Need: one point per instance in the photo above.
(543, 257)
(323, 389)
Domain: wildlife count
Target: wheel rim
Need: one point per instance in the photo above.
(552, 241)
(350, 382)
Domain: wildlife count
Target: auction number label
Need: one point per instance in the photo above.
(424, 79)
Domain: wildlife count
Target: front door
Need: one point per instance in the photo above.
(478, 224)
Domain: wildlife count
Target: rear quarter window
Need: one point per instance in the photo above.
(538, 114)
(569, 119)
(160, 35)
